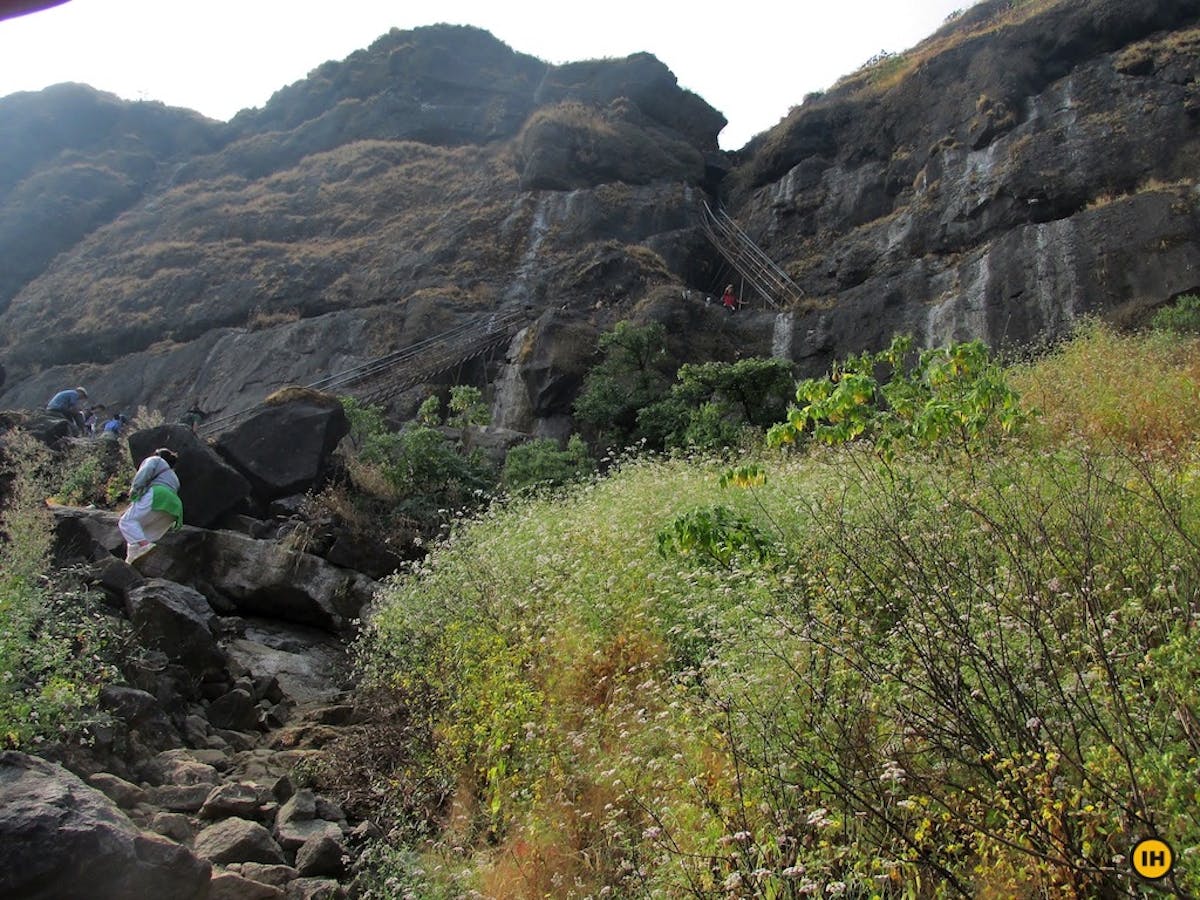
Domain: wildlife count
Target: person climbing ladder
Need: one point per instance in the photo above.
(729, 299)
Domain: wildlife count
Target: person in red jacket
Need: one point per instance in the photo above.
(729, 300)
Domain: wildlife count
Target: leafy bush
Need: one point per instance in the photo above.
(951, 396)
(635, 372)
(423, 473)
(711, 404)
(541, 463)
(432, 476)
(467, 407)
(1182, 317)
(713, 533)
(55, 647)
(93, 473)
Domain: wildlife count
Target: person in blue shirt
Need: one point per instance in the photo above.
(70, 405)
(114, 425)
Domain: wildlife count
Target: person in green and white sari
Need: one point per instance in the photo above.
(156, 507)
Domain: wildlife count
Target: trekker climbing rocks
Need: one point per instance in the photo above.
(729, 299)
(193, 417)
(93, 419)
(156, 507)
(70, 404)
(114, 425)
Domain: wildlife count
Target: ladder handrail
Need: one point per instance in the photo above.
(747, 257)
(437, 353)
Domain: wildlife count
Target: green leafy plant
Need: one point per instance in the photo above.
(715, 533)
(430, 412)
(467, 407)
(635, 372)
(951, 395)
(1181, 317)
(712, 405)
(56, 648)
(540, 463)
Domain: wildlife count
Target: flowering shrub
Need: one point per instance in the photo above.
(56, 648)
(924, 674)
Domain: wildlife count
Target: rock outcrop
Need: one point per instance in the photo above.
(319, 206)
(61, 839)
(1009, 175)
(209, 487)
(285, 448)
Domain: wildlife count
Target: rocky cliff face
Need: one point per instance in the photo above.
(1027, 164)
(1021, 168)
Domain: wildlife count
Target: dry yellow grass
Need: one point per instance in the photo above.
(1141, 391)
(886, 72)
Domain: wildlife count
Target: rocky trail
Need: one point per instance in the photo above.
(237, 676)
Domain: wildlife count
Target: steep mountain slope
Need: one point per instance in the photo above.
(393, 194)
(1030, 162)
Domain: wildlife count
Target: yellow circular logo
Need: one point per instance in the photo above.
(1152, 858)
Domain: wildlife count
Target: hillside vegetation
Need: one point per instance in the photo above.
(966, 665)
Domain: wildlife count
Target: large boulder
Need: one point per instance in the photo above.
(285, 448)
(254, 577)
(85, 535)
(49, 428)
(261, 577)
(265, 578)
(62, 840)
(235, 840)
(177, 621)
(208, 486)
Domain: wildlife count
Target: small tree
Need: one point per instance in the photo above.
(542, 464)
(467, 407)
(711, 403)
(948, 394)
(634, 373)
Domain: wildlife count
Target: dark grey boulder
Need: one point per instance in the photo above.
(231, 886)
(121, 792)
(315, 889)
(238, 840)
(235, 799)
(285, 448)
(142, 713)
(265, 874)
(323, 855)
(234, 710)
(49, 428)
(87, 536)
(177, 621)
(63, 840)
(264, 578)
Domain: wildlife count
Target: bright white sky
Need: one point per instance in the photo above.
(753, 60)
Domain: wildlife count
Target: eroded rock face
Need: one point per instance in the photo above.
(60, 840)
(1048, 181)
(224, 304)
